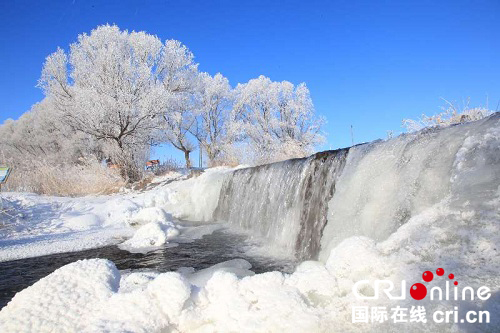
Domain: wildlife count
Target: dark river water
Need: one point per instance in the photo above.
(202, 253)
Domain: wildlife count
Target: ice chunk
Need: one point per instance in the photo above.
(189, 234)
(150, 236)
(239, 267)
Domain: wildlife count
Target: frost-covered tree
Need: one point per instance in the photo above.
(177, 123)
(214, 99)
(39, 133)
(277, 119)
(178, 75)
(50, 157)
(115, 86)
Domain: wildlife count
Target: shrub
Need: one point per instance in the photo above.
(451, 115)
(168, 165)
(39, 176)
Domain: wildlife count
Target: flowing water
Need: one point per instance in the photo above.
(285, 201)
(201, 253)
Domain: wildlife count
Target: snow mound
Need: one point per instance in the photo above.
(259, 303)
(82, 222)
(369, 263)
(59, 302)
(153, 308)
(150, 237)
(156, 229)
(150, 214)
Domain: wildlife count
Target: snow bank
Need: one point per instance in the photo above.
(84, 296)
(61, 242)
(194, 199)
(59, 224)
(171, 176)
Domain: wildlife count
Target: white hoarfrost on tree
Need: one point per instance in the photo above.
(214, 100)
(117, 89)
(277, 119)
(177, 123)
(115, 93)
(178, 74)
(50, 157)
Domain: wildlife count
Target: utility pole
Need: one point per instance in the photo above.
(352, 136)
(200, 160)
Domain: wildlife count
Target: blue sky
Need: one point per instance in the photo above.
(367, 63)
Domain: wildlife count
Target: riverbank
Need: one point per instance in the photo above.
(43, 225)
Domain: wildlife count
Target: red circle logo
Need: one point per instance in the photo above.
(418, 291)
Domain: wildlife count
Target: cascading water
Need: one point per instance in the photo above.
(309, 205)
(286, 201)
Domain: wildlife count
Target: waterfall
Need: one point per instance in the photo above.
(309, 205)
(285, 202)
